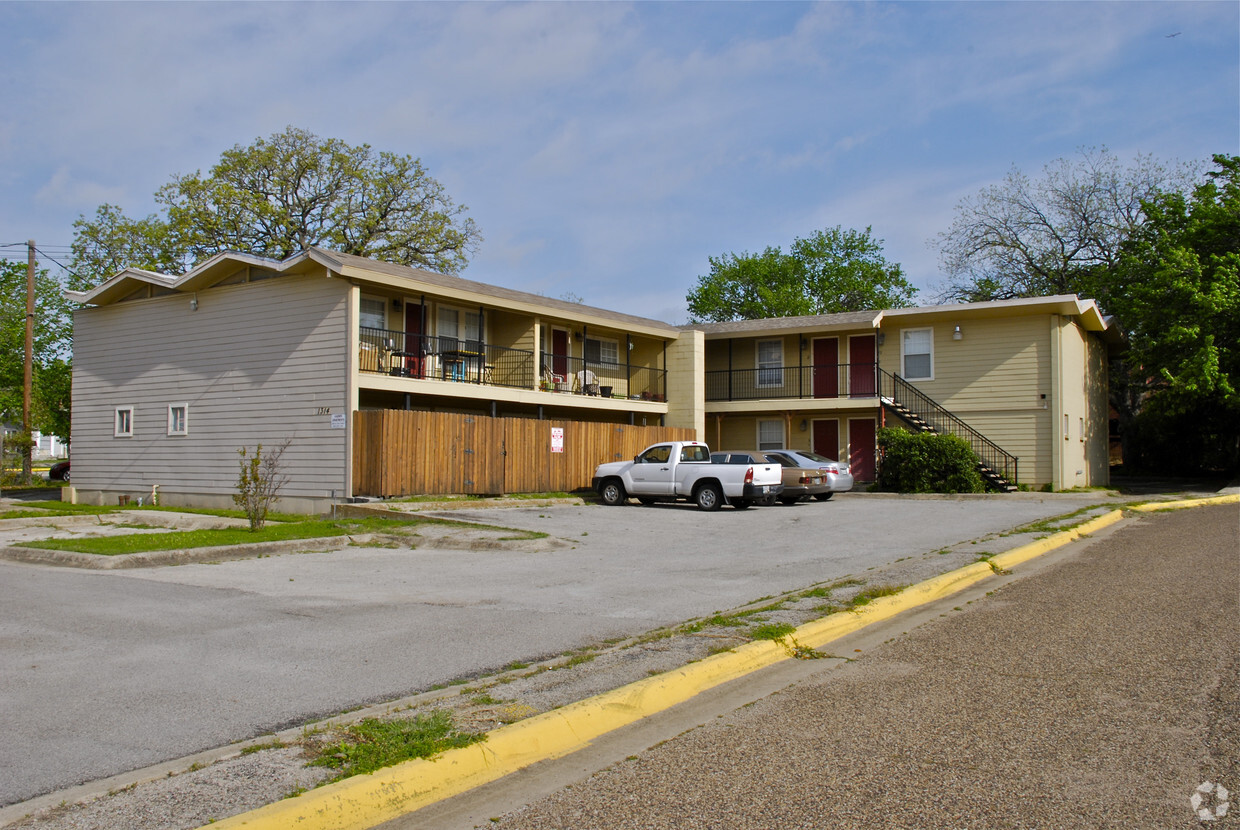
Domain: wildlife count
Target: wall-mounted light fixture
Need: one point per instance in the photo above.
(804, 343)
(193, 303)
(956, 335)
(576, 335)
(804, 425)
(396, 303)
(881, 338)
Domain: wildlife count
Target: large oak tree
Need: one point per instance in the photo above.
(281, 195)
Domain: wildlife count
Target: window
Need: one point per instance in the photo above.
(122, 426)
(450, 324)
(655, 455)
(178, 419)
(917, 354)
(770, 363)
(602, 351)
(770, 434)
(371, 313)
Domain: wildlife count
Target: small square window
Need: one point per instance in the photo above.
(122, 425)
(178, 419)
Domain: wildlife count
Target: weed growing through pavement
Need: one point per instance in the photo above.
(372, 744)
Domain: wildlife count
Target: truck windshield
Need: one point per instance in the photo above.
(698, 453)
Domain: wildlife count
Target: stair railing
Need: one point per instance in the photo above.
(904, 395)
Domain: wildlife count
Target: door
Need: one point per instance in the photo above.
(827, 438)
(826, 368)
(415, 346)
(861, 366)
(559, 353)
(652, 472)
(862, 449)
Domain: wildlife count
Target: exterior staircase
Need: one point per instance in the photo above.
(998, 468)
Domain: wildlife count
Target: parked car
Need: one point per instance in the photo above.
(799, 482)
(682, 470)
(59, 471)
(837, 474)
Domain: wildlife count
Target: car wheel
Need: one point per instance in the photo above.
(823, 496)
(741, 504)
(708, 497)
(612, 492)
(65, 476)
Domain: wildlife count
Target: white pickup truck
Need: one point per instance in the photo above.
(683, 470)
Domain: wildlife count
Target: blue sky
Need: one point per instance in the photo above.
(607, 149)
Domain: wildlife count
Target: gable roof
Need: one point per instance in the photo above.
(361, 269)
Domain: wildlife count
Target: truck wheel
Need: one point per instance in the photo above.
(708, 496)
(612, 492)
(741, 504)
(823, 496)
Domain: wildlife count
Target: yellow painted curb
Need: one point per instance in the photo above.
(1152, 506)
(365, 801)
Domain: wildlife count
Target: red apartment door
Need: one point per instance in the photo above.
(826, 369)
(827, 438)
(559, 353)
(861, 359)
(415, 346)
(862, 449)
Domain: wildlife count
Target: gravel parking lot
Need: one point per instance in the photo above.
(109, 671)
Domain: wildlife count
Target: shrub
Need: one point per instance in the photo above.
(259, 482)
(926, 463)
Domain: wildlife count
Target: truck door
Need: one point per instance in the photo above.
(652, 471)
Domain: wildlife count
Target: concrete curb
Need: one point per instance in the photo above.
(366, 801)
(154, 558)
(1154, 506)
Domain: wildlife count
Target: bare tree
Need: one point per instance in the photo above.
(1026, 238)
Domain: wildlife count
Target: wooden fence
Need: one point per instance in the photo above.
(400, 453)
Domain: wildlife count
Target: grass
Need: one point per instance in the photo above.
(277, 532)
(373, 744)
(771, 631)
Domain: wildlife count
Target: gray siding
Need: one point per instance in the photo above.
(254, 363)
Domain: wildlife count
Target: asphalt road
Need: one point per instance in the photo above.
(1100, 691)
(107, 671)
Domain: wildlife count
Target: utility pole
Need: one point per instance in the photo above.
(28, 385)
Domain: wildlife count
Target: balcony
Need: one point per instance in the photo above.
(834, 380)
(451, 359)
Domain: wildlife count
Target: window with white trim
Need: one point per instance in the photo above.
(917, 354)
(770, 363)
(599, 350)
(371, 314)
(178, 419)
(122, 423)
(770, 434)
(450, 324)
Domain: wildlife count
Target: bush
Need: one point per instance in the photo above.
(926, 463)
(259, 483)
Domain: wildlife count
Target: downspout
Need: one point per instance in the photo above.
(351, 385)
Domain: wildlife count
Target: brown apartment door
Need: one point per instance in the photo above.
(826, 368)
(415, 346)
(827, 438)
(559, 353)
(862, 449)
(861, 359)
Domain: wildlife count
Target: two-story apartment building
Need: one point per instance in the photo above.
(1025, 381)
(173, 374)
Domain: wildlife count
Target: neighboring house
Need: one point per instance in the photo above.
(173, 374)
(1024, 380)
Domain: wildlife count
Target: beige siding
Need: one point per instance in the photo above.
(255, 363)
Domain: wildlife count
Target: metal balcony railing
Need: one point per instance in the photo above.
(617, 380)
(394, 353)
(832, 380)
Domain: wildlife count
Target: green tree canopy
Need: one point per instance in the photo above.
(52, 345)
(829, 271)
(1176, 290)
(281, 195)
(1026, 238)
